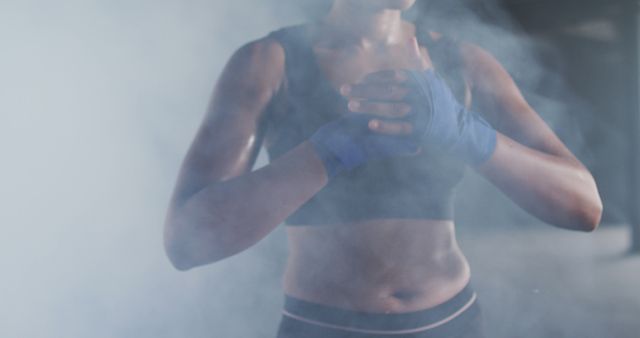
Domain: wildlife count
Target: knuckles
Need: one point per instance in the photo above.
(390, 109)
(400, 76)
(377, 91)
(387, 127)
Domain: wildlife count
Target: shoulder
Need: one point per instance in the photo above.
(439, 40)
(271, 50)
(265, 50)
(481, 66)
(469, 54)
(444, 50)
(256, 68)
(499, 97)
(481, 70)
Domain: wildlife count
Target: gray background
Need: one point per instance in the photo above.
(99, 101)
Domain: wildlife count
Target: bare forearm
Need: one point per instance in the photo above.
(557, 190)
(228, 217)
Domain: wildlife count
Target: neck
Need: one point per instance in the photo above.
(366, 27)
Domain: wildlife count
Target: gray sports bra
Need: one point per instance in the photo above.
(421, 187)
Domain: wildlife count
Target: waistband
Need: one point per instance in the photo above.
(380, 323)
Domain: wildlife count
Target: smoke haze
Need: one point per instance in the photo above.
(99, 101)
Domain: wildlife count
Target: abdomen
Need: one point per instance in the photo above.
(391, 265)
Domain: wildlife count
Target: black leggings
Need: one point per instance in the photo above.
(459, 317)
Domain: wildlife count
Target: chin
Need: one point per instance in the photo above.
(397, 4)
(386, 4)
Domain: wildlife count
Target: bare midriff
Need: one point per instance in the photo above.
(382, 266)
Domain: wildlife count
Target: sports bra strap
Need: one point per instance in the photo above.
(447, 60)
(299, 56)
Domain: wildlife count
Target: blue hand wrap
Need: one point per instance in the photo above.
(347, 142)
(440, 120)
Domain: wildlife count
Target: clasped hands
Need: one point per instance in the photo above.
(393, 113)
(390, 102)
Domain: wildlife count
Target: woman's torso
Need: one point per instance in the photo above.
(376, 265)
(389, 266)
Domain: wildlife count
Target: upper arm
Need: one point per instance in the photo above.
(504, 106)
(231, 134)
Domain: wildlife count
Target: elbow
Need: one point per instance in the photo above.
(587, 217)
(173, 243)
(177, 254)
(180, 264)
(586, 209)
(188, 249)
(173, 246)
(180, 247)
(592, 213)
(192, 241)
(592, 220)
(184, 255)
